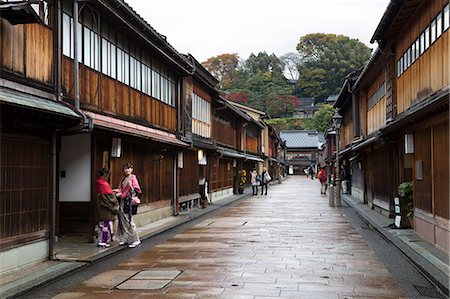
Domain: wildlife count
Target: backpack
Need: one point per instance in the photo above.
(323, 175)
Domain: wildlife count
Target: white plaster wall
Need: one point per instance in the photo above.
(18, 257)
(75, 160)
(218, 195)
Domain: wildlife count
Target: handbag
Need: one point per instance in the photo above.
(131, 203)
(135, 201)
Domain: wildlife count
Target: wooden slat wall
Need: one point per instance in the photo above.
(363, 107)
(347, 129)
(440, 169)
(376, 117)
(379, 162)
(200, 128)
(252, 144)
(189, 174)
(27, 50)
(430, 72)
(25, 185)
(155, 175)
(223, 133)
(102, 93)
(422, 188)
(221, 174)
(200, 91)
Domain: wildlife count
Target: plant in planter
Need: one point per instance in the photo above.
(405, 191)
(242, 181)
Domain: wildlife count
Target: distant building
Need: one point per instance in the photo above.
(331, 99)
(302, 148)
(305, 109)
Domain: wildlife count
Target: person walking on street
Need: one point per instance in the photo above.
(265, 178)
(126, 232)
(254, 181)
(106, 209)
(323, 180)
(311, 171)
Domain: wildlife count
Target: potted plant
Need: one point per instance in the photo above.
(405, 191)
(242, 181)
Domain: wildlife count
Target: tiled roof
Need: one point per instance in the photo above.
(302, 139)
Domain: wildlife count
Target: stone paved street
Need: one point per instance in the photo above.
(288, 244)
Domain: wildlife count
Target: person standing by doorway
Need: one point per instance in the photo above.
(126, 232)
(265, 178)
(106, 209)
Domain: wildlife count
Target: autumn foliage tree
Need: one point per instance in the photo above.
(282, 106)
(238, 97)
(224, 68)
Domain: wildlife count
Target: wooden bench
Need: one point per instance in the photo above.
(187, 202)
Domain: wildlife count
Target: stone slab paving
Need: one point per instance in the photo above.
(288, 244)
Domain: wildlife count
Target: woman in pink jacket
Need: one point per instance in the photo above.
(126, 232)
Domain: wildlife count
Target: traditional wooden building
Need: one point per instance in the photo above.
(32, 117)
(417, 100)
(224, 140)
(349, 135)
(200, 90)
(402, 130)
(129, 87)
(272, 159)
(302, 149)
(254, 134)
(228, 131)
(99, 94)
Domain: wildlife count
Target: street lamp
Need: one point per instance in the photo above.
(337, 122)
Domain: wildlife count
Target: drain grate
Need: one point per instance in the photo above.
(428, 292)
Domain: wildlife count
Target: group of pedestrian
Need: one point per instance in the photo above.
(121, 202)
(260, 180)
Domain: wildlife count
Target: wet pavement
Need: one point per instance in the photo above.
(288, 244)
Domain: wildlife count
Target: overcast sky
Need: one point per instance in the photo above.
(206, 28)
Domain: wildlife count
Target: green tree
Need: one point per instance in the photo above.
(325, 61)
(263, 80)
(321, 119)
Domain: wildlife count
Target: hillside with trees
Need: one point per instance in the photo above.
(277, 84)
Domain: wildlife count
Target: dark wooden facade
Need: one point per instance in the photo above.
(401, 128)
(27, 70)
(19, 45)
(102, 93)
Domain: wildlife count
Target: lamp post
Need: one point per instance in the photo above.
(330, 132)
(337, 121)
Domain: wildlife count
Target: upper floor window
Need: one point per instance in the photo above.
(417, 48)
(201, 109)
(42, 9)
(446, 17)
(427, 38)
(377, 96)
(433, 31)
(438, 25)
(110, 52)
